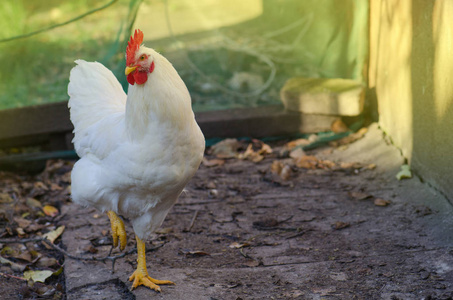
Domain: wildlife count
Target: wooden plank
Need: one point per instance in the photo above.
(34, 120)
(49, 123)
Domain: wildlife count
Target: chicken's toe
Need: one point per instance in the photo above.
(118, 230)
(140, 278)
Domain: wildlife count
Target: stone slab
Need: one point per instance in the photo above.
(326, 96)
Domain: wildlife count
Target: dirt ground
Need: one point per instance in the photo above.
(241, 232)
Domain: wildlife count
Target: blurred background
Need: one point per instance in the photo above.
(230, 53)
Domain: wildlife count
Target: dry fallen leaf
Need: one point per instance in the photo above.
(213, 162)
(53, 235)
(237, 245)
(340, 225)
(5, 198)
(371, 166)
(339, 126)
(226, 148)
(33, 203)
(299, 142)
(50, 210)
(350, 138)
(194, 253)
(359, 195)
(297, 153)
(23, 223)
(381, 202)
(55, 187)
(252, 263)
(281, 169)
(256, 155)
(46, 262)
(285, 174)
(307, 162)
(14, 266)
(276, 167)
(251, 154)
(351, 165)
(326, 164)
(37, 276)
(165, 230)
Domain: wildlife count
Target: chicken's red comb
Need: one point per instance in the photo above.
(133, 46)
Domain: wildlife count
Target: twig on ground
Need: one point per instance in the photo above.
(21, 241)
(12, 276)
(192, 222)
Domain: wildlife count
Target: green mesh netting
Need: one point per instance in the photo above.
(230, 53)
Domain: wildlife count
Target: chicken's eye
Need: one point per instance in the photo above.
(142, 57)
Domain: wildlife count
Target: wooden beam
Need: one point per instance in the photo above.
(49, 123)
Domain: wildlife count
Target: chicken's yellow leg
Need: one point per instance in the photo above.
(140, 276)
(118, 230)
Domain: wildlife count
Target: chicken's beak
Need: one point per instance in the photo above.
(130, 70)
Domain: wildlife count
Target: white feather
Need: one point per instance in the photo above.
(136, 155)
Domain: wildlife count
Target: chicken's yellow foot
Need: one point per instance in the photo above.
(140, 276)
(118, 230)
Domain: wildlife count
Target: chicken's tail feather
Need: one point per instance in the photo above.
(94, 93)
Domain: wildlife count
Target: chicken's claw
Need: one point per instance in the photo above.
(118, 230)
(141, 278)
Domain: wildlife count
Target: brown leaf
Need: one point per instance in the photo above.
(256, 155)
(340, 225)
(66, 177)
(14, 266)
(55, 187)
(213, 162)
(34, 227)
(351, 165)
(326, 164)
(371, 166)
(40, 186)
(359, 195)
(165, 230)
(381, 202)
(350, 138)
(251, 154)
(338, 126)
(252, 263)
(46, 262)
(50, 210)
(276, 167)
(20, 231)
(237, 245)
(5, 198)
(33, 203)
(26, 255)
(307, 162)
(285, 174)
(226, 148)
(299, 142)
(22, 222)
(193, 253)
(297, 153)
(53, 235)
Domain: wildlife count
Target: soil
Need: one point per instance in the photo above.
(241, 232)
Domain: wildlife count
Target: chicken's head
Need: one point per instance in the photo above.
(139, 62)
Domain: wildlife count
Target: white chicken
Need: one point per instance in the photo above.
(137, 152)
